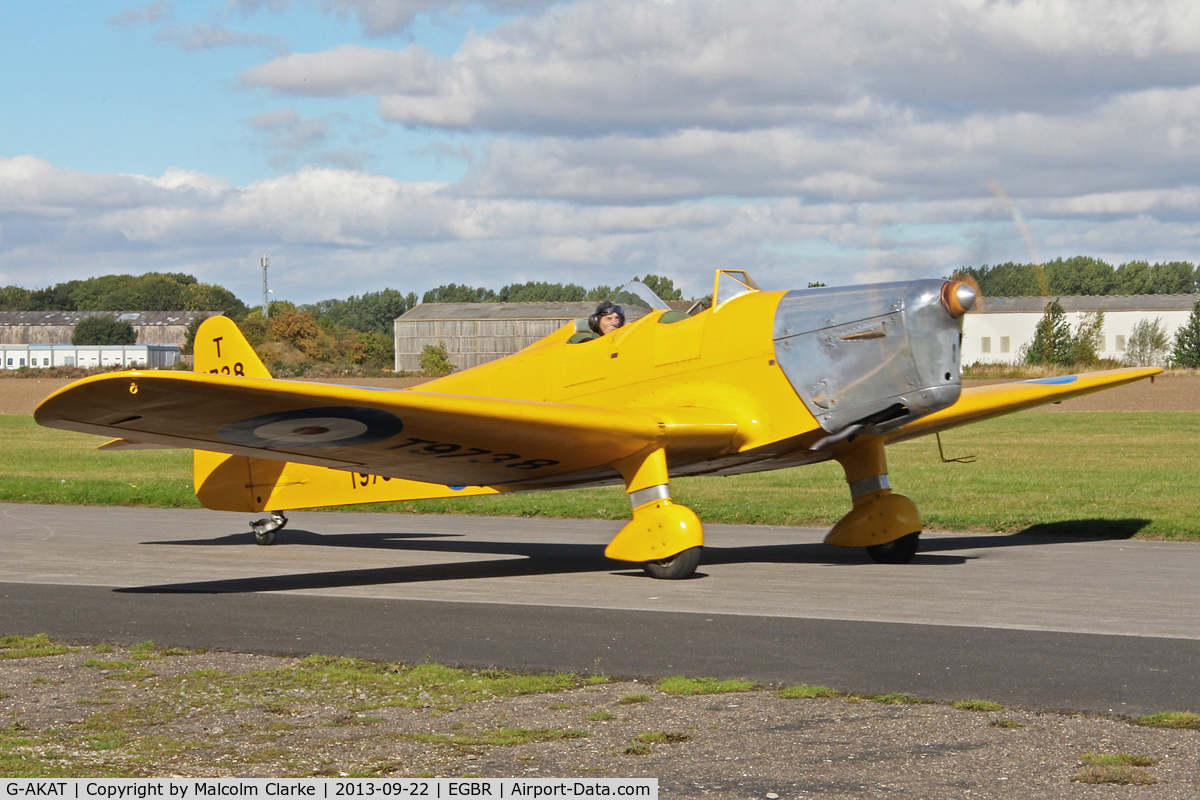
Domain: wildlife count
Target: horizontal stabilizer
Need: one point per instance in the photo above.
(128, 444)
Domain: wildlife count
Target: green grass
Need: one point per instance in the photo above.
(1172, 719)
(692, 686)
(30, 646)
(42, 465)
(898, 699)
(120, 729)
(1068, 474)
(1121, 769)
(1118, 760)
(978, 705)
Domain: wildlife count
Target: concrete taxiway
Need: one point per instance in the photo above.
(1107, 626)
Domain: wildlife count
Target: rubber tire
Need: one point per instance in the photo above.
(264, 537)
(675, 568)
(900, 551)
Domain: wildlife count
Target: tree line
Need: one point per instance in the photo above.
(356, 331)
(539, 292)
(1055, 343)
(1083, 275)
(154, 291)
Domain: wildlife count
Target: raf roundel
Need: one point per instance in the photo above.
(306, 428)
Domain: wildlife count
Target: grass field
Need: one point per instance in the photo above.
(1071, 474)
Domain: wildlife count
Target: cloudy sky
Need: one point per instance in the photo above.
(366, 144)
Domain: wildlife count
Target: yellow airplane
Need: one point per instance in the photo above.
(762, 380)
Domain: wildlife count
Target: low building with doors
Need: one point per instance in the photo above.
(40, 356)
(998, 332)
(476, 333)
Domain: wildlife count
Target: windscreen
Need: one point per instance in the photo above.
(636, 293)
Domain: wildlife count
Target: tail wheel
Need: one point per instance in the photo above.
(900, 551)
(264, 529)
(677, 567)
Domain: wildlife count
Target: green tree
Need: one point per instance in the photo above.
(1007, 280)
(1052, 340)
(1080, 275)
(59, 297)
(94, 293)
(15, 298)
(1174, 277)
(1187, 341)
(538, 292)
(663, 287)
(1085, 343)
(1147, 345)
(373, 312)
(435, 360)
(600, 293)
(1133, 278)
(103, 329)
(210, 297)
(255, 327)
(453, 293)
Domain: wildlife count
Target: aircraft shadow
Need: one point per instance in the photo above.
(1072, 530)
(537, 558)
(530, 559)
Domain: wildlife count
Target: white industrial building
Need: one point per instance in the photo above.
(15, 356)
(996, 333)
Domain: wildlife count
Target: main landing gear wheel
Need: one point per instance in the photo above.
(677, 567)
(265, 529)
(901, 551)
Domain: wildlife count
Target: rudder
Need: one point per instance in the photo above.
(222, 349)
(226, 482)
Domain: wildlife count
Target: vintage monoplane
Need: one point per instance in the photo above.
(761, 380)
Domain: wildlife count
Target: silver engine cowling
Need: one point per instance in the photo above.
(873, 357)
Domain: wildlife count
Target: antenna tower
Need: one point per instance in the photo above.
(266, 262)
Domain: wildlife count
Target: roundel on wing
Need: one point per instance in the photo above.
(336, 426)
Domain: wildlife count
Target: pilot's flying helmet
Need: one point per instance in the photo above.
(603, 310)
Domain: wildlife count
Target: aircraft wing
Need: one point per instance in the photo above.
(449, 440)
(977, 403)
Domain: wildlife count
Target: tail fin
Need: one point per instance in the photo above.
(230, 480)
(222, 350)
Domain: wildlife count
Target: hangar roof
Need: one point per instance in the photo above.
(435, 311)
(1133, 302)
(70, 318)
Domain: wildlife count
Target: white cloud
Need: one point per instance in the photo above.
(284, 128)
(386, 17)
(336, 232)
(598, 66)
(802, 141)
(209, 37)
(152, 12)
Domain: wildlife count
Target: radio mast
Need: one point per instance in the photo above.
(266, 262)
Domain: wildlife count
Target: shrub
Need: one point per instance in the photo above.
(1187, 341)
(435, 360)
(103, 329)
(1147, 345)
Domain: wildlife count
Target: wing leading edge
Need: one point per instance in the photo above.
(978, 403)
(437, 439)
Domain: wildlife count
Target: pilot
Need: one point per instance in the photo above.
(606, 318)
